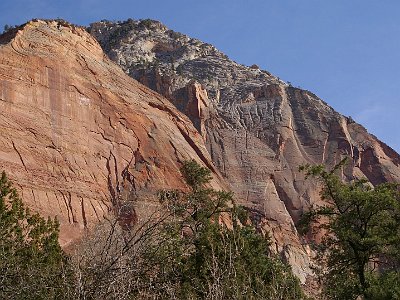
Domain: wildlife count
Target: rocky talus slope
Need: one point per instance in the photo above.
(78, 136)
(257, 128)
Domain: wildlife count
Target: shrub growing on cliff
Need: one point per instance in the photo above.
(31, 260)
(146, 23)
(360, 251)
(8, 28)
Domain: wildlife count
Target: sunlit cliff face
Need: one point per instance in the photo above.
(78, 136)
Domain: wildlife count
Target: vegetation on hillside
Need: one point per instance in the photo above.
(200, 245)
(193, 246)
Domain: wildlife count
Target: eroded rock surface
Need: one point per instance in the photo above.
(257, 128)
(78, 136)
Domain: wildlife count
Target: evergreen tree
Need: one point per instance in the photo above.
(360, 252)
(31, 259)
(223, 258)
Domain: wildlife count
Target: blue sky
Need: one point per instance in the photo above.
(345, 51)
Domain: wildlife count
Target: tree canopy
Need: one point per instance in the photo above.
(225, 259)
(31, 259)
(360, 252)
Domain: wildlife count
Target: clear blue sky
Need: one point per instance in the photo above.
(345, 51)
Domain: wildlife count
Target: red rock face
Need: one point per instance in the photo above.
(80, 138)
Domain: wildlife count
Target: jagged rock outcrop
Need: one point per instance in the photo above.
(257, 128)
(78, 136)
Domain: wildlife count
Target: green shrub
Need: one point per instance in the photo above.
(31, 259)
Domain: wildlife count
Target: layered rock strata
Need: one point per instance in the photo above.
(78, 136)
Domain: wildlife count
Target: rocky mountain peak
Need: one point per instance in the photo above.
(257, 128)
(144, 47)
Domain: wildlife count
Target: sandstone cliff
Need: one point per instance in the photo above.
(81, 138)
(257, 128)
